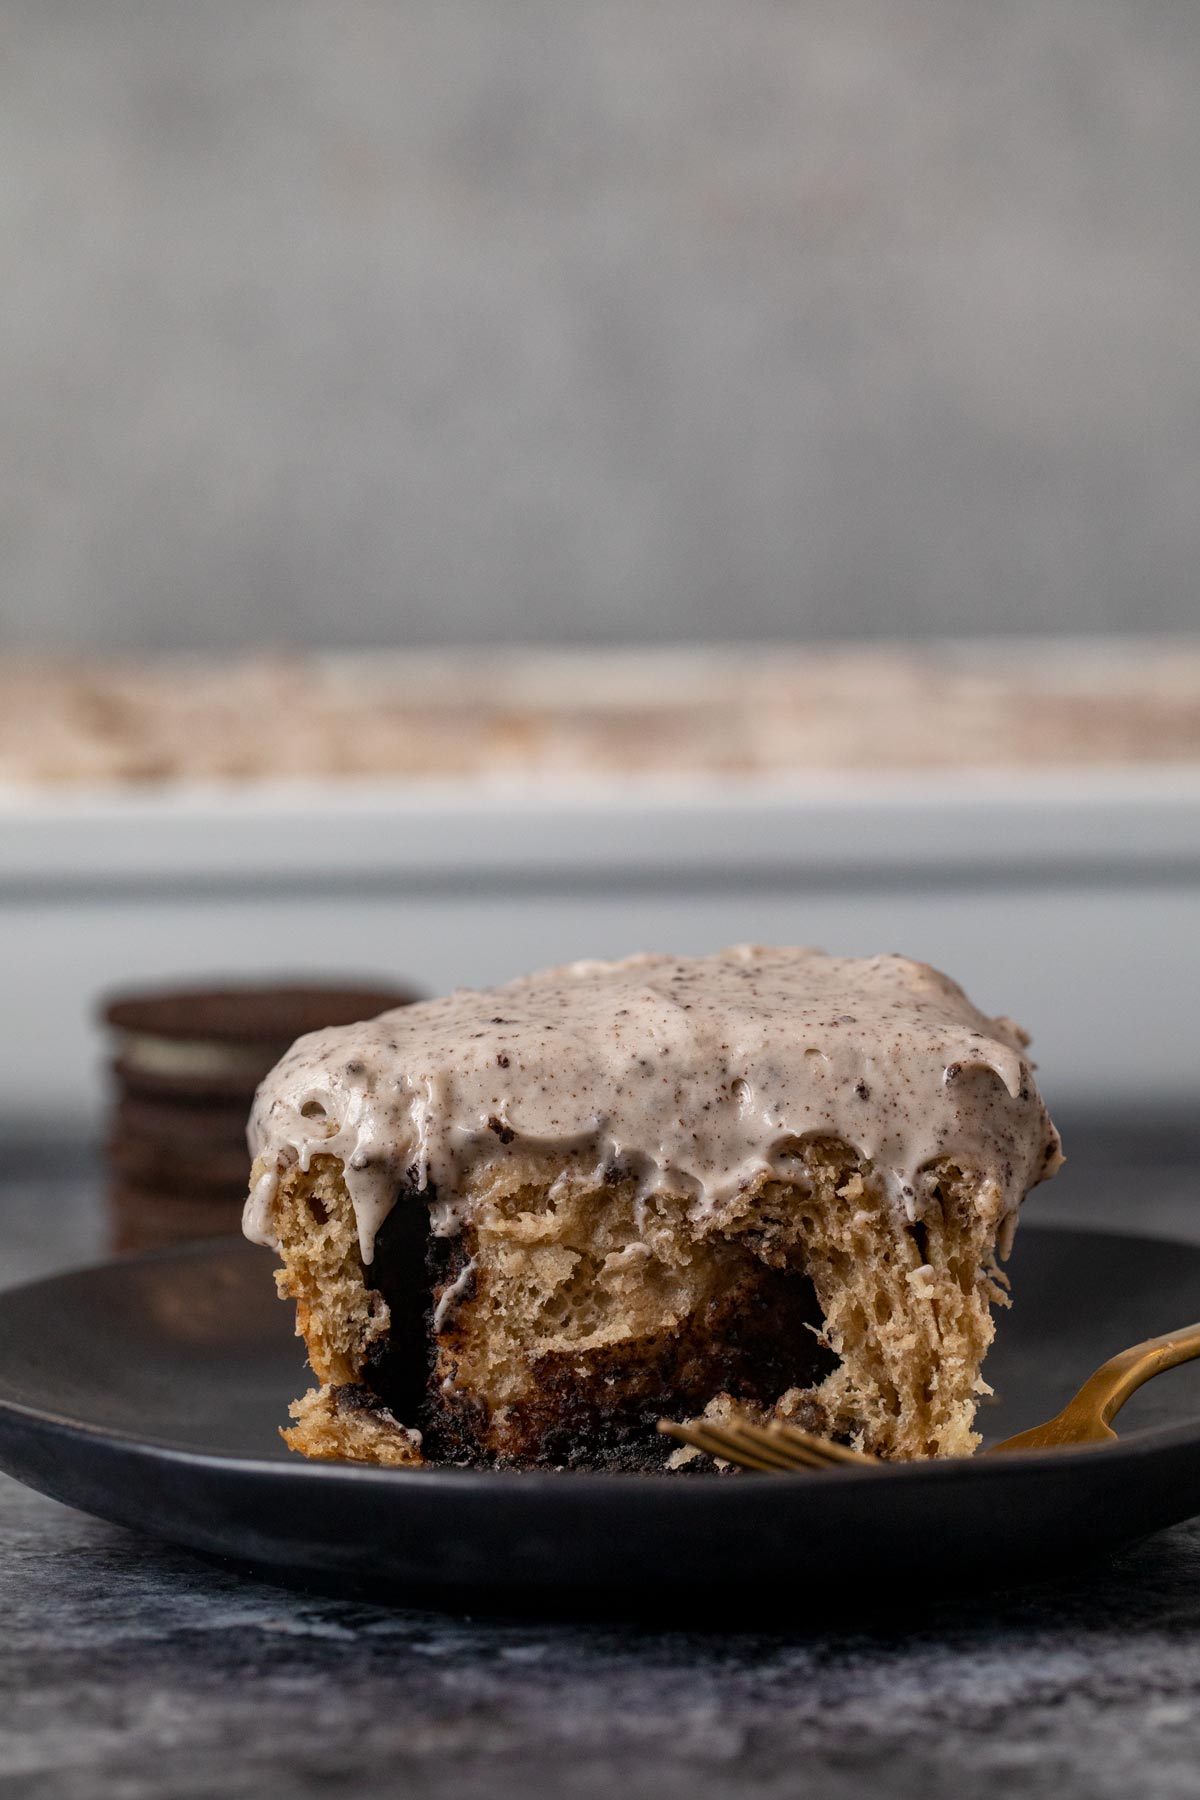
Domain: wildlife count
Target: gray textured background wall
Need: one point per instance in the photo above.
(384, 321)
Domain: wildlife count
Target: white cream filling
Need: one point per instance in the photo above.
(188, 1056)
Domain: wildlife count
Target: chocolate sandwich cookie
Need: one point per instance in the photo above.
(188, 1168)
(216, 1044)
(185, 1145)
(188, 1062)
(143, 1218)
(204, 1121)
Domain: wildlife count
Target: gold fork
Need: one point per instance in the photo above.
(1083, 1420)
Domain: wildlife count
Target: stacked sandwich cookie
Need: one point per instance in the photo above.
(185, 1068)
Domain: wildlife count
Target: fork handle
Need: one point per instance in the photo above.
(1112, 1384)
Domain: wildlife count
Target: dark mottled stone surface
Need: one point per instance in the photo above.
(129, 1669)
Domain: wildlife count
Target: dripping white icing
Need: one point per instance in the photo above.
(452, 1295)
(256, 1214)
(695, 1074)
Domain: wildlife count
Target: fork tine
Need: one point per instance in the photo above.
(824, 1449)
(776, 1447)
(731, 1446)
(740, 1440)
(799, 1453)
(713, 1443)
(793, 1453)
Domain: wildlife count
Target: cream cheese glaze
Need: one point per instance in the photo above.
(694, 1074)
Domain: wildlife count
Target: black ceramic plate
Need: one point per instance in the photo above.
(149, 1392)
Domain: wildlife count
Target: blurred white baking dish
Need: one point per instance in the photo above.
(1071, 901)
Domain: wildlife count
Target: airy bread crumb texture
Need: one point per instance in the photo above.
(341, 1424)
(570, 1310)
